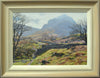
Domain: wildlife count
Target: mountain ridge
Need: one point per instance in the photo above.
(59, 25)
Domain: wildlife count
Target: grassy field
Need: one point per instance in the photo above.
(62, 57)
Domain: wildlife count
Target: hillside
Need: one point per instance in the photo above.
(76, 56)
(30, 30)
(67, 50)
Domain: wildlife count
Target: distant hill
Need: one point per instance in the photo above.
(30, 31)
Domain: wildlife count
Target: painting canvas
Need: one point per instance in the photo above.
(50, 38)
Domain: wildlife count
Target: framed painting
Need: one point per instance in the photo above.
(49, 38)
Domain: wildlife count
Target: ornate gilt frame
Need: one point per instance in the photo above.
(10, 6)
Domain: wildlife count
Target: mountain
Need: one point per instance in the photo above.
(29, 30)
(60, 25)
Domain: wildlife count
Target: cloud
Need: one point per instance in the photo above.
(37, 20)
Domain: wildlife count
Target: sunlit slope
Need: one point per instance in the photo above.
(76, 56)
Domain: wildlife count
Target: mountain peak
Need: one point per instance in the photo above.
(60, 25)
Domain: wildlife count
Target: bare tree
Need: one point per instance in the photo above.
(81, 29)
(48, 35)
(18, 29)
(52, 36)
(45, 36)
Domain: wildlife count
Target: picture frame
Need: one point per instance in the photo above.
(6, 57)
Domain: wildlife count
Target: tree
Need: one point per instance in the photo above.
(18, 29)
(81, 29)
(49, 35)
(45, 36)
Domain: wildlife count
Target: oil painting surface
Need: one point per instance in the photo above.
(50, 38)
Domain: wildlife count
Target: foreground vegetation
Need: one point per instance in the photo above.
(62, 57)
(22, 62)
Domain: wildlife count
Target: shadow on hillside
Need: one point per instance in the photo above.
(55, 46)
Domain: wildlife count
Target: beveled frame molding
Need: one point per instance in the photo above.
(9, 6)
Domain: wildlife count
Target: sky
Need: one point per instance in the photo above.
(37, 20)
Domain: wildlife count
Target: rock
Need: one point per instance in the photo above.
(57, 54)
(44, 62)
